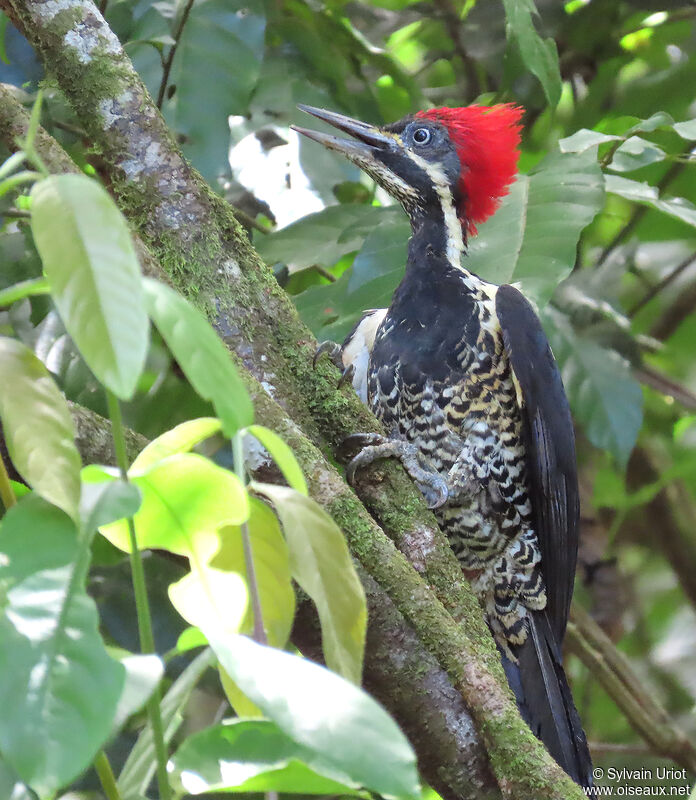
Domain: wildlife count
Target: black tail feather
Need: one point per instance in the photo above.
(544, 699)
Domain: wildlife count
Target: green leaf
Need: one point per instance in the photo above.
(322, 238)
(604, 397)
(91, 265)
(56, 677)
(678, 207)
(321, 564)
(186, 498)
(143, 673)
(190, 639)
(583, 140)
(282, 455)
(635, 153)
(38, 427)
(687, 129)
(321, 711)
(539, 55)
(180, 439)
(201, 355)
(253, 756)
(215, 69)
(271, 566)
(140, 765)
(532, 239)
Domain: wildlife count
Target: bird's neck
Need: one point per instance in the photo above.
(437, 244)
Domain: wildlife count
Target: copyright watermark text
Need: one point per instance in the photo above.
(642, 782)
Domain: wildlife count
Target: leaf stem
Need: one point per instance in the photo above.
(259, 632)
(106, 776)
(7, 494)
(147, 640)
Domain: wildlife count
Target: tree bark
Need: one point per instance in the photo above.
(203, 251)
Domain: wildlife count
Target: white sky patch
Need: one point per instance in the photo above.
(275, 176)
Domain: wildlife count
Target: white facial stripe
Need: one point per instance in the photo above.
(455, 242)
(380, 172)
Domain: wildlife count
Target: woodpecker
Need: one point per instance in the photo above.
(460, 373)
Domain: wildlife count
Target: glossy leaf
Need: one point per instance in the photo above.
(56, 677)
(636, 153)
(201, 355)
(346, 729)
(180, 439)
(90, 262)
(320, 562)
(253, 756)
(271, 566)
(103, 503)
(38, 427)
(282, 455)
(186, 498)
(539, 55)
(217, 64)
(604, 397)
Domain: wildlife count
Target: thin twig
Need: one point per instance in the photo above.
(167, 66)
(663, 284)
(666, 386)
(324, 273)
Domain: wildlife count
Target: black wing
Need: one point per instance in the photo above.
(550, 445)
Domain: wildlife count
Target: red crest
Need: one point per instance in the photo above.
(487, 139)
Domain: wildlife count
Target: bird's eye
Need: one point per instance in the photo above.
(422, 136)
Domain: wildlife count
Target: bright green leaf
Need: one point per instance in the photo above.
(253, 756)
(38, 427)
(186, 498)
(56, 678)
(190, 639)
(282, 455)
(338, 721)
(210, 595)
(271, 566)
(201, 355)
(321, 564)
(180, 439)
(91, 265)
(19, 291)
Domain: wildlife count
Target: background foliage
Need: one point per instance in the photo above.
(600, 230)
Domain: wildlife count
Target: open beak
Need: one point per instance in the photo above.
(366, 138)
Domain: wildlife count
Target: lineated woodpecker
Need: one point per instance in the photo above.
(461, 375)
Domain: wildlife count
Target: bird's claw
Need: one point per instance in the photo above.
(434, 489)
(333, 351)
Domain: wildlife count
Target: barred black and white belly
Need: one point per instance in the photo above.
(466, 424)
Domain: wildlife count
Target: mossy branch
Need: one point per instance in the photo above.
(203, 251)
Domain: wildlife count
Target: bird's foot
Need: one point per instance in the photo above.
(372, 446)
(334, 352)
